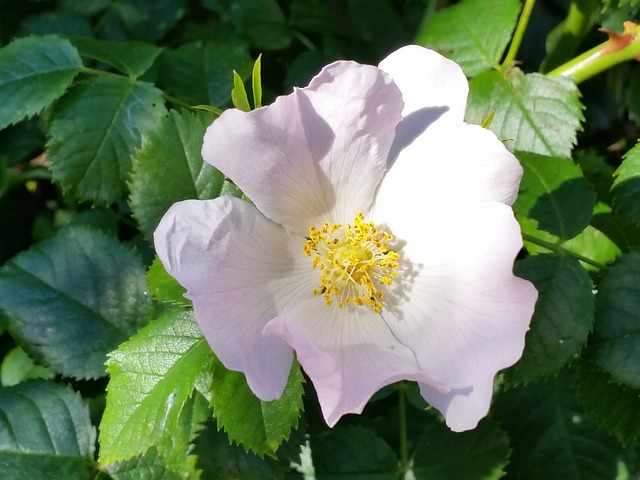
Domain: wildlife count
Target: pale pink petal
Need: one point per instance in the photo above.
(466, 165)
(465, 314)
(434, 90)
(240, 270)
(349, 354)
(315, 155)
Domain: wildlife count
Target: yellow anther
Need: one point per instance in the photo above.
(355, 261)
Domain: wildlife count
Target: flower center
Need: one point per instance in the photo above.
(355, 262)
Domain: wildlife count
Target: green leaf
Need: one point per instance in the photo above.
(353, 453)
(164, 287)
(305, 66)
(153, 375)
(562, 320)
(474, 33)
(21, 142)
(262, 22)
(531, 113)
(103, 219)
(45, 432)
(172, 455)
(592, 243)
(256, 82)
(169, 168)
(314, 15)
(150, 21)
(56, 23)
(479, 454)
(376, 21)
(132, 58)
(17, 367)
(613, 406)
(73, 298)
(200, 73)
(551, 437)
(617, 334)
(619, 228)
(554, 192)
(34, 71)
(239, 94)
(597, 171)
(626, 187)
(176, 442)
(95, 130)
(256, 425)
(147, 466)
(220, 460)
(86, 8)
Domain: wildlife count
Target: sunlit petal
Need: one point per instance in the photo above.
(316, 154)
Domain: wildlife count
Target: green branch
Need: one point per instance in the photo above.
(618, 49)
(554, 247)
(523, 21)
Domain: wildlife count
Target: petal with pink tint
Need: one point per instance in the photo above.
(357, 138)
(465, 166)
(240, 270)
(467, 314)
(349, 354)
(434, 90)
(317, 154)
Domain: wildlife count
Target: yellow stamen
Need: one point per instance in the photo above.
(355, 262)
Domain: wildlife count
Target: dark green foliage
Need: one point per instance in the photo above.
(555, 194)
(479, 454)
(92, 157)
(626, 188)
(353, 452)
(132, 58)
(33, 72)
(551, 437)
(80, 284)
(45, 432)
(563, 317)
(199, 73)
(103, 107)
(617, 338)
(220, 460)
(612, 405)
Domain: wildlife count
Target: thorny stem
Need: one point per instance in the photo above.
(619, 48)
(554, 247)
(523, 21)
